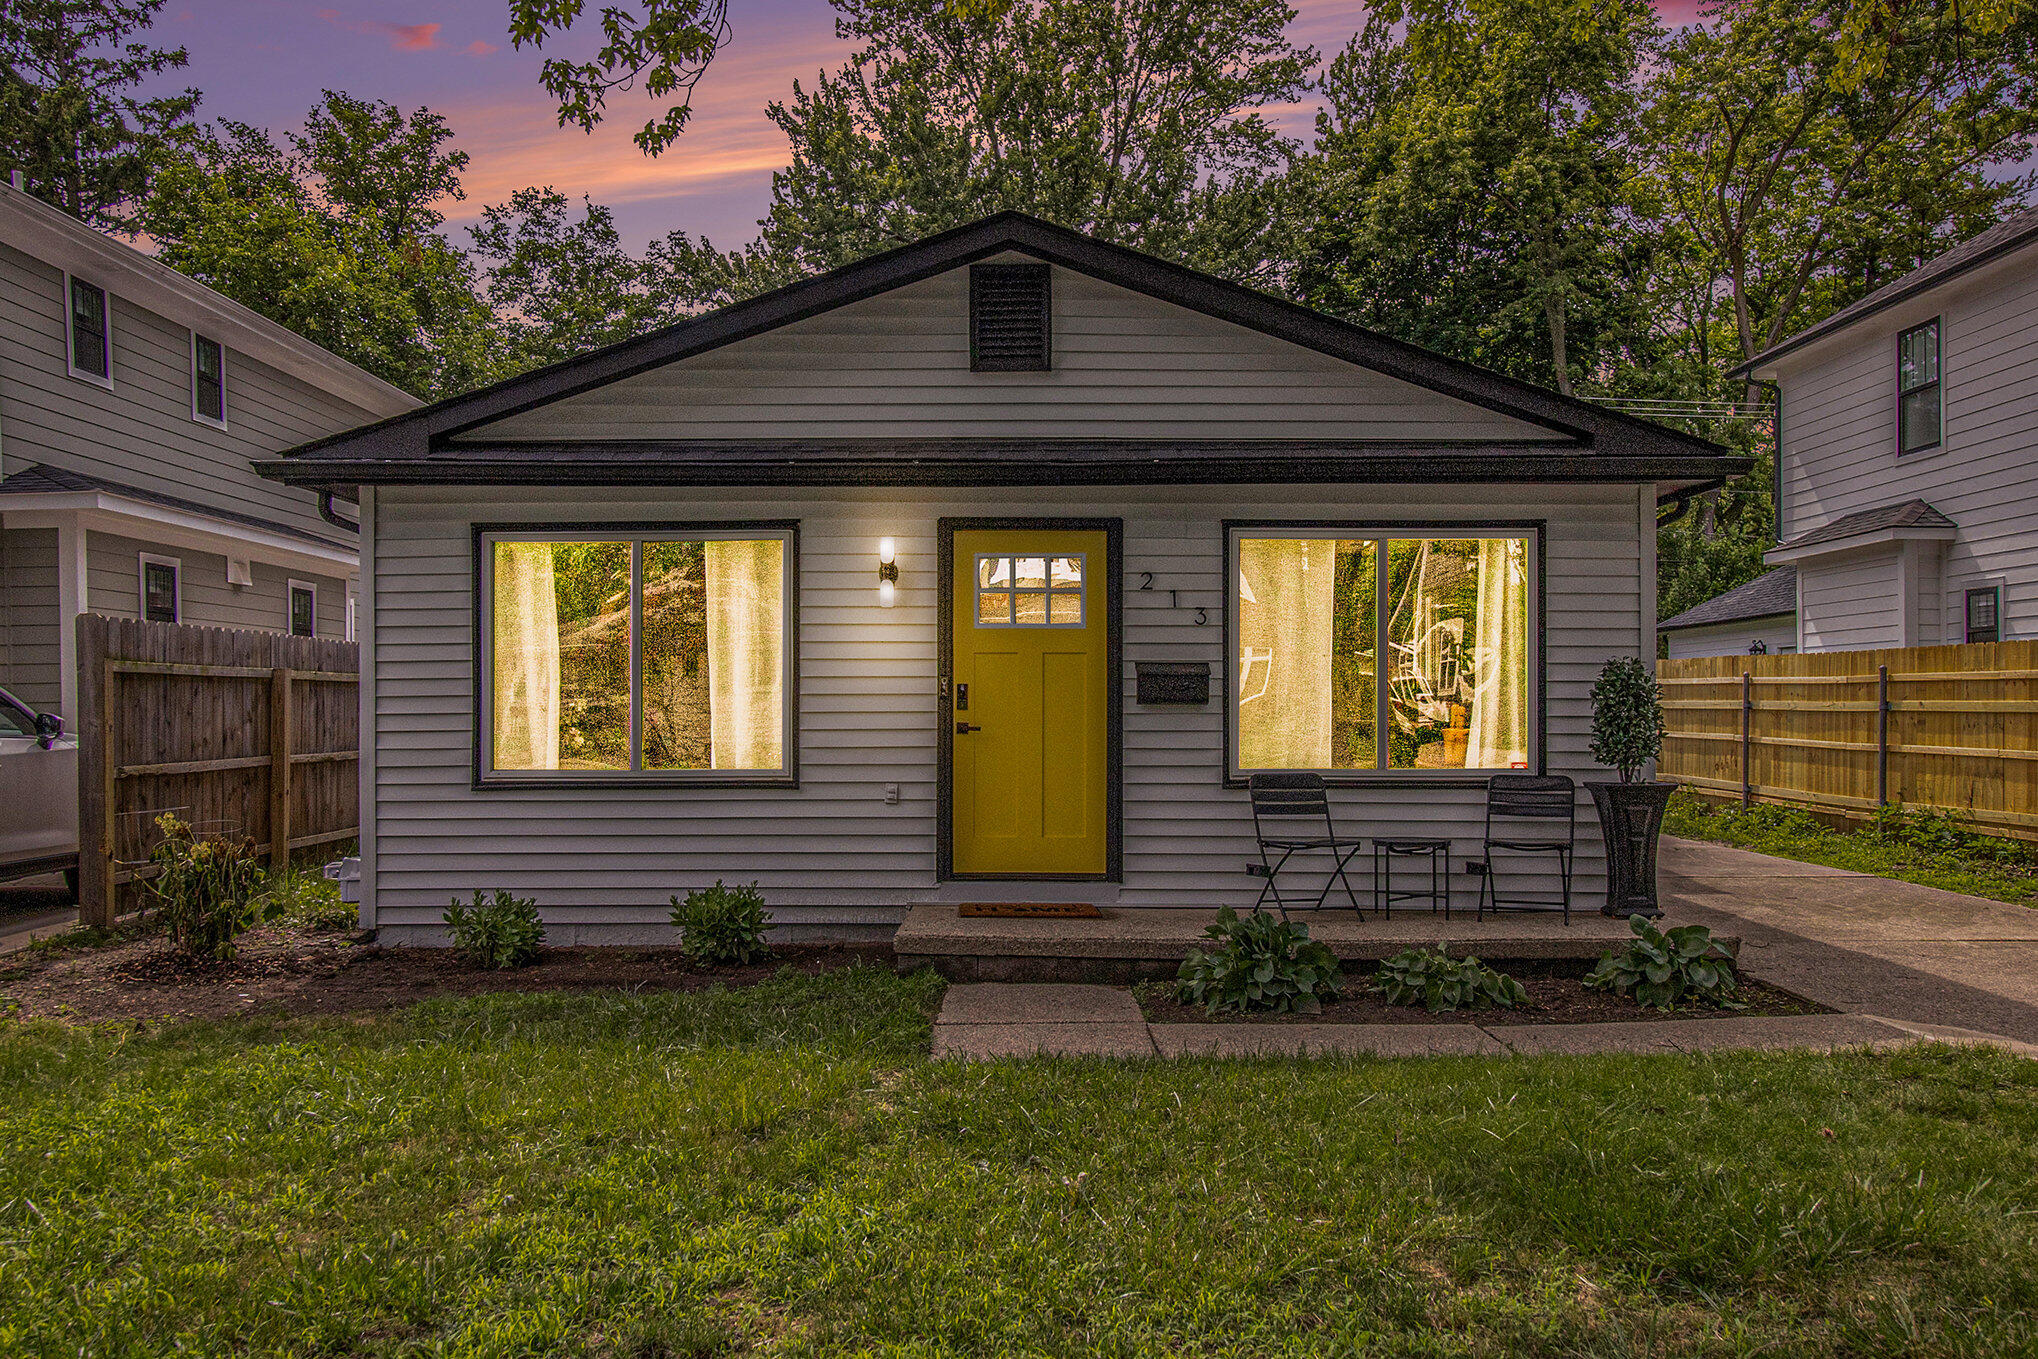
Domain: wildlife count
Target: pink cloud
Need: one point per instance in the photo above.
(480, 48)
(402, 37)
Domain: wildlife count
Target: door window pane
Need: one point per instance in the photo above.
(562, 656)
(1015, 591)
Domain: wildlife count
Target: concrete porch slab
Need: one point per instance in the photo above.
(1131, 944)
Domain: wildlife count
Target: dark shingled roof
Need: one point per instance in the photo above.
(1769, 594)
(1910, 514)
(1999, 239)
(36, 479)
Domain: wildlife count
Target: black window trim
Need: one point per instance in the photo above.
(1967, 598)
(290, 590)
(1537, 530)
(1937, 385)
(105, 379)
(484, 778)
(218, 421)
(143, 562)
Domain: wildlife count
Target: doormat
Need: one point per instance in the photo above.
(1028, 910)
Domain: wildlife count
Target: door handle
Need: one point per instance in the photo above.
(965, 728)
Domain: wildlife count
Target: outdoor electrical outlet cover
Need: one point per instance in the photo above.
(891, 795)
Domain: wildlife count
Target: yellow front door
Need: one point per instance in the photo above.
(1029, 702)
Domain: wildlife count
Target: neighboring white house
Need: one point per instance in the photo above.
(1908, 475)
(984, 569)
(131, 402)
(1756, 619)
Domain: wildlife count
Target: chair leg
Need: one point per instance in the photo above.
(1564, 860)
(1341, 859)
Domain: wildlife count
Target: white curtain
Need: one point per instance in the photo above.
(746, 653)
(526, 641)
(1286, 591)
(1499, 725)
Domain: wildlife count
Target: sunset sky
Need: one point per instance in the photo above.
(264, 62)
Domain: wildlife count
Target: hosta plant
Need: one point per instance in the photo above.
(1660, 968)
(1435, 980)
(1261, 963)
(496, 935)
(720, 925)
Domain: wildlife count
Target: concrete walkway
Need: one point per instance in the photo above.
(34, 908)
(1027, 1019)
(1860, 943)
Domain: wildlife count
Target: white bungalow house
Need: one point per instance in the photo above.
(1907, 484)
(986, 569)
(132, 399)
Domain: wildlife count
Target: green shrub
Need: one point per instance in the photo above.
(1660, 969)
(1264, 964)
(496, 935)
(1435, 980)
(307, 901)
(722, 925)
(207, 886)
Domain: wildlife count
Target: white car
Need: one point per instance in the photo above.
(39, 808)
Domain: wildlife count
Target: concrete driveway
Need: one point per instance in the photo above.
(1861, 943)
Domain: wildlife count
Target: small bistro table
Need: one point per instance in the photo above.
(1438, 892)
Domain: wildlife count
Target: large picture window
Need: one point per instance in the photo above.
(1370, 652)
(642, 656)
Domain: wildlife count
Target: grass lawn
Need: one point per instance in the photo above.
(781, 1169)
(1912, 846)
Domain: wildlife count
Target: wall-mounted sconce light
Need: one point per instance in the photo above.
(887, 573)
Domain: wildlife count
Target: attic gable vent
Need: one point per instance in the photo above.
(1009, 318)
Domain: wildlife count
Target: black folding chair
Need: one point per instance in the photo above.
(1297, 797)
(1529, 797)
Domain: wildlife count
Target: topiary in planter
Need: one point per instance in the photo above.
(1627, 733)
(1263, 964)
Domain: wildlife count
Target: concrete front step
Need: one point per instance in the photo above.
(1128, 944)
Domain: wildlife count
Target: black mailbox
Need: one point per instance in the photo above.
(1173, 681)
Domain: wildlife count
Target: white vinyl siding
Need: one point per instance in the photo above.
(141, 433)
(1840, 439)
(832, 851)
(898, 365)
(1851, 604)
(113, 576)
(1733, 639)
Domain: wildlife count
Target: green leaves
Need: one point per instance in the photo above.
(1438, 982)
(207, 887)
(1627, 716)
(496, 935)
(1264, 964)
(722, 925)
(1660, 968)
(666, 49)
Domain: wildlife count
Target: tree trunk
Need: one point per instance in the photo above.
(1553, 309)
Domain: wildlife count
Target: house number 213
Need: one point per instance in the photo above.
(1174, 598)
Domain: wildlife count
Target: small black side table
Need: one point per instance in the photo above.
(1438, 892)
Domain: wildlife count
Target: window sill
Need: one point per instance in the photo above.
(93, 378)
(612, 783)
(1402, 780)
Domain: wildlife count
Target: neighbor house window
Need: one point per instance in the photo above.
(1985, 614)
(91, 354)
(208, 381)
(1365, 651)
(161, 589)
(303, 609)
(650, 656)
(1917, 388)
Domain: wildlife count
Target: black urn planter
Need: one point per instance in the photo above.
(1631, 817)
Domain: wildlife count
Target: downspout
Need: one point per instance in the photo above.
(1776, 458)
(333, 516)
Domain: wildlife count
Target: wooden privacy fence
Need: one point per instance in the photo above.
(1846, 732)
(245, 733)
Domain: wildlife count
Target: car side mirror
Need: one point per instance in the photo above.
(48, 727)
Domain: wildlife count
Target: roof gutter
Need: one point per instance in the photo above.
(333, 516)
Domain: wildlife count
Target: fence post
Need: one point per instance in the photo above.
(1882, 736)
(1747, 712)
(279, 769)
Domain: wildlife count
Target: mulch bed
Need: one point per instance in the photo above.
(281, 969)
(1557, 995)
